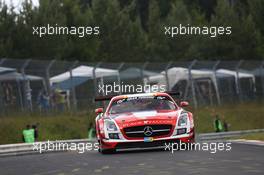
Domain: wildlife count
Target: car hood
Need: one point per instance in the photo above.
(131, 119)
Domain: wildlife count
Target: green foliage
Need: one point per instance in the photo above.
(120, 37)
(67, 126)
(7, 27)
(179, 15)
(133, 30)
(157, 45)
(243, 41)
(56, 127)
(239, 117)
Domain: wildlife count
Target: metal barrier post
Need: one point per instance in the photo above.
(142, 71)
(119, 78)
(192, 83)
(94, 78)
(216, 82)
(2, 61)
(262, 77)
(48, 76)
(27, 89)
(238, 80)
(20, 94)
(74, 100)
(166, 74)
(2, 104)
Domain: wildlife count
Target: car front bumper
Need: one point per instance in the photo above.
(140, 143)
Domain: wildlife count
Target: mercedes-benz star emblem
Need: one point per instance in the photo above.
(148, 131)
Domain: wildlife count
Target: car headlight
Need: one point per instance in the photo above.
(110, 125)
(183, 119)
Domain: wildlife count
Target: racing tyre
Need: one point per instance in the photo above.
(105, 151)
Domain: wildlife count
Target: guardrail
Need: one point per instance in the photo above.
(224, 135)
(28, 148)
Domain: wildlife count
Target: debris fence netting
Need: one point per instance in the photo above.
(52, 85)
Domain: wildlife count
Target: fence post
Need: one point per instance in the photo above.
(48, 76)
(119, 78)
(2, 61)
(74, 100)
(94, 78)
(262, 77)
(216, 82)
(142, 71)
(238, 80)
(192, 83)
(26, 85)
(20, 94)
(166, 74)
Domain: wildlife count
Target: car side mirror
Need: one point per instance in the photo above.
(184, 104)
(99, 110)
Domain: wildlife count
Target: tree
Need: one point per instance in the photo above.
(7, 28)
(180, 44)
(119, 39)
(157, 44)
(132, 30)
(242, 43)
(30, 45)
(257, 13)
(84, 48)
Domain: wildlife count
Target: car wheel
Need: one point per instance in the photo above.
(99, 146)
(105, 151)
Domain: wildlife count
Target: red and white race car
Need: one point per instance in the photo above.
(142, 120)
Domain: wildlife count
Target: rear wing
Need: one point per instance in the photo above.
(104, 98)
(109, 97)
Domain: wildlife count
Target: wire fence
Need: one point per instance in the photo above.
(53, 85)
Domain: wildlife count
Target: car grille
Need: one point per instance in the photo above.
(140, 131)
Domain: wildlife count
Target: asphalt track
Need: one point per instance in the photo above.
(242, 159)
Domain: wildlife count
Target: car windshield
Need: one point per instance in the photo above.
(137, 104)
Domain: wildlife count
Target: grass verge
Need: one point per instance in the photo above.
(68, 126)
(239, 117)
(56, 127)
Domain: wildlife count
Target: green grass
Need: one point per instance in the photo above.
(68, 126)
(57, 127)
(240, 117)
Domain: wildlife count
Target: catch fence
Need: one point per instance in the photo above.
(53, 85)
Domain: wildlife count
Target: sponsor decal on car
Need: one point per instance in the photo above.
(148, 139)
(145, 122)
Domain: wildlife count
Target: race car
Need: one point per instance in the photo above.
(146, 120)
